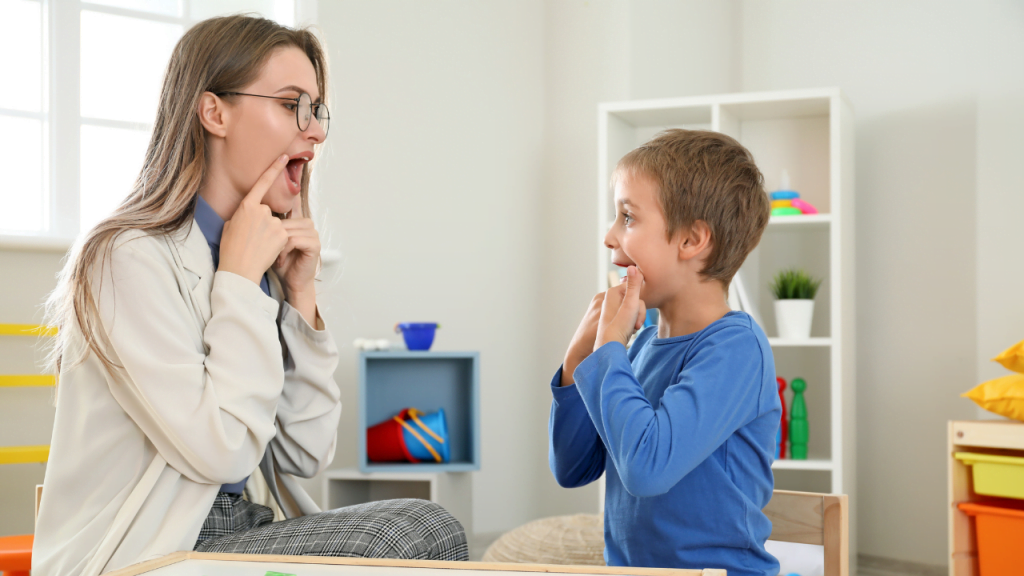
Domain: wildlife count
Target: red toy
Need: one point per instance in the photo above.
(785, 421)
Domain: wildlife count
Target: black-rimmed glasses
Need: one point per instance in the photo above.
(305, 109)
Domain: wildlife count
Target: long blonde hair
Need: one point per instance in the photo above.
(216, 55)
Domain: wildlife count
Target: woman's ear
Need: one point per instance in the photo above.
(695, 242)
(213, 114)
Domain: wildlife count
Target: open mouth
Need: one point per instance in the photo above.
(293, 171)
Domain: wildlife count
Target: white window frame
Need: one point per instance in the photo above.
(62, 114)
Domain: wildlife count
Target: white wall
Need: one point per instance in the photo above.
(432, 191)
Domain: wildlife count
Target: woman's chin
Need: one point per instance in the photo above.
(279, 202)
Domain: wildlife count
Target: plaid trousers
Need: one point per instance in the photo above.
(407, 529)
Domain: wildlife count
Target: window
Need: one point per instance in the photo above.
(23, 116)
(78, 92)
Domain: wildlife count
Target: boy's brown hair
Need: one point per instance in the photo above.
(708, 176)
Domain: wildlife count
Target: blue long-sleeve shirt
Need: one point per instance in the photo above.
(685, 428)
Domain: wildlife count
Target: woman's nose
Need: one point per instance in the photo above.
(315, 132)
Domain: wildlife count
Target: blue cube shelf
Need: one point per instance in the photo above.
(392, 381)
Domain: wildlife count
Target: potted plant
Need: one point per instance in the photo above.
(794, 291)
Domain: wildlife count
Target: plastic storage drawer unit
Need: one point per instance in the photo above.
(995, 475)
(1000, 533)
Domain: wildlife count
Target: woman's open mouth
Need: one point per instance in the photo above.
(293, 171)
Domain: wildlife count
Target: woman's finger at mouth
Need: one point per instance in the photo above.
(298, 223)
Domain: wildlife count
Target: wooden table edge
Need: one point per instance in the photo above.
(174, 558)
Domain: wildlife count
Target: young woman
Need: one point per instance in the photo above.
(190, 353)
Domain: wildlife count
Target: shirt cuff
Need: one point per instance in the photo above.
(564, 393)
(246, 289)
(601, 357)
(291, 317)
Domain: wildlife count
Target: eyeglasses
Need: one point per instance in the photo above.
(304, 109)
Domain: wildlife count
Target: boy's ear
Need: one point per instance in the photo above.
(213, 114)
(696, 241)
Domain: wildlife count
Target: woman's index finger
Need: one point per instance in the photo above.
(297, 211)
(259, 190)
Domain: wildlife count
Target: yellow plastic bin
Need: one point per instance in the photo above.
(995, 475)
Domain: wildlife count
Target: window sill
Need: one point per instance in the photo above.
(27, 243)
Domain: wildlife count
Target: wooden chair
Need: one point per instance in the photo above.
(810, 518)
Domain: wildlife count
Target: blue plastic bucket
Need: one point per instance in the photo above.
(418, 335)
(439, 426)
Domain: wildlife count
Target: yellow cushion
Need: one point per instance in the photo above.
(1004, 396)
(1013, 357)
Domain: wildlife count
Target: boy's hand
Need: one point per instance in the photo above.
(582, 344)
(622, 312)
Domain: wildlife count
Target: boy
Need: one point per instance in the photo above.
(684, 421)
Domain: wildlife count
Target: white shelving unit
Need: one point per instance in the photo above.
(809, 133)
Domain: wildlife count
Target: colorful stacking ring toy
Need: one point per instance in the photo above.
(785, 195)
(790, 211)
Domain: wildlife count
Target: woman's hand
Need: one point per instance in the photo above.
(298, 261)
(253, 238)
(622, 312)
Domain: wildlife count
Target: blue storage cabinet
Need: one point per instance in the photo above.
(427, 381)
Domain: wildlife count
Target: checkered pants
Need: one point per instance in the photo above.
(408, 529)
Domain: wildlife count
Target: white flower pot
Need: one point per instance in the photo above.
(793, 317)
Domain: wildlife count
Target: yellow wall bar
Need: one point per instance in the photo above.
(26, 380)
(23, 454)
(27, 330)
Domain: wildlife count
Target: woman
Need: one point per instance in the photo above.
(190, 354)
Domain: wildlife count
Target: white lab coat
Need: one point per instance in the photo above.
(217, 379)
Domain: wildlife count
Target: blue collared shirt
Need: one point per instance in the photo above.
(212, 227)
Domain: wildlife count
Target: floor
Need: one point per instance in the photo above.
(478, 544)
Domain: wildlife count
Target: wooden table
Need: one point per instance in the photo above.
(979, 436)
(205, 564)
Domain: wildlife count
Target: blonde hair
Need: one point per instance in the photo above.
(216, 55)
(707, 176)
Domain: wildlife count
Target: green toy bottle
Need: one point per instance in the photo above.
(798, 431)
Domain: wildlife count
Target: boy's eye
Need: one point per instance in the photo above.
(626, 218)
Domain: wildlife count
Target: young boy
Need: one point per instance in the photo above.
(684, 421)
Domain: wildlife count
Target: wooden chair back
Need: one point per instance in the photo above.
(811, 518)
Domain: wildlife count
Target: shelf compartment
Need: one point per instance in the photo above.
(788, 246)
(791, 135)
(803, 480)
(813, 365)
(428, 381)
(995, 475)
(349, 487)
